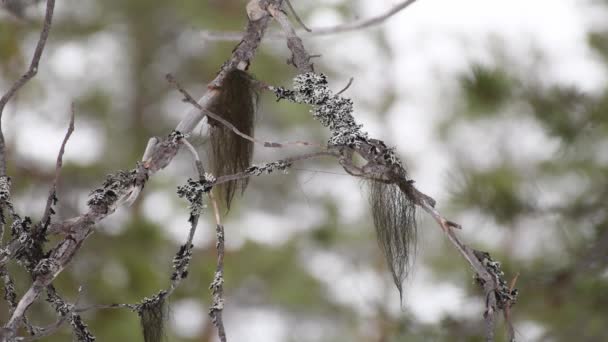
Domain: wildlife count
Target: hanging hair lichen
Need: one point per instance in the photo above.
(230, 153)
(394, 217)
(153, 315)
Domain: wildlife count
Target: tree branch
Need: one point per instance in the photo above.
(52, 199)
(124, 186)
(65, 312)
(29, 74)
(336, 113)
(366, 23)
(349, 27)
(217, 285)
(271, 144)
(241, 57)
(300, 57)
(297, 17)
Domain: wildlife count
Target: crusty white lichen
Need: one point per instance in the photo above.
(336, 113)
(194, 192)
(333, 111)
(267, 168)
(181, 262)
(5, 189)
(505, 295)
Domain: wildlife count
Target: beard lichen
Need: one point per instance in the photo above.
(230, 153)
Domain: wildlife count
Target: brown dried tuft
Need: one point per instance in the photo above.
(230, 153)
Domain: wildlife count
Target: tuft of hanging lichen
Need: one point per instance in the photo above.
(394, 216)
(152, 316)
(230, 153)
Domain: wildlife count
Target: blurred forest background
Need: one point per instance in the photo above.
(499, 109)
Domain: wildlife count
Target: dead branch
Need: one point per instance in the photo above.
(300, 57)
(120, 185)
(270, 144)
(217, 285)
(297, 17)
(123, 187)
(349, 27)
(366, 23)
(350, 82)
(497, 293)
(52, 199)
(28, 75)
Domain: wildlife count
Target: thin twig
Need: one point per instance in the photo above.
(366, 23)
(270, 144)
(295, 14)
(178, 276)
(245, 174)
(46, 217)
(241, 57)
(490, 317)
(299, 56)
(29, 74)
(217, 285)
(354, 26)
(131, 307)
(51, 329)
(350, 82)
(507, 312)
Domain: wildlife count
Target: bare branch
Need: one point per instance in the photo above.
(51, 329)
(336, 113)
(295, 14)
(182, 260)
(507, 312)
(300, 57)
(347, 139)
(354, 26)
(241, 57)
(254, 169)
(362, 24)
(29, 74)
(350, 82)
(46, 217)
(131, 307)
(270, 144)
(217, 285)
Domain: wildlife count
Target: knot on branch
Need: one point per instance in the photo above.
(46, 267)
(256, 9)
(175, 137)
(375, 151)
(181, 261)
(163, 152)
(21, 227)
(505, 295)
(268, 168)
(113, 188)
